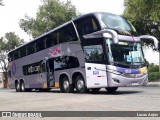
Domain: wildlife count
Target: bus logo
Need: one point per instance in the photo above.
(128, 71)
(13, 68)
(56, 52)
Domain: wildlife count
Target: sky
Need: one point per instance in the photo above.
(14, 10)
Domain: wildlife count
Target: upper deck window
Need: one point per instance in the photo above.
(86, 25)
(117, 23)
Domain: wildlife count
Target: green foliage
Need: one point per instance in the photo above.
(154, 76)
(7, 43)
(50, 15)
(153, 72)
(1, 3)
(10, 41)
(153, 68)
(144, 14)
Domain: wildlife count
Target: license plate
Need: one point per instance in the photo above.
(135, 84)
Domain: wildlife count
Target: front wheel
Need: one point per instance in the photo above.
(66, 87)
(17, 86)
(111, 89)
(80, 84)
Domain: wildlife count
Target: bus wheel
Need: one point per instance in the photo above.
(66, 87)
(111, 89)
(80, 85)
(17, 87)
(22, 86)
(23, 89)
(95, 90)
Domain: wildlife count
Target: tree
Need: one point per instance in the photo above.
(50, 15)
(7, 43)
(144, 14)
(1, 3)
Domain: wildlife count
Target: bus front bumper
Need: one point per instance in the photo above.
(115, 80)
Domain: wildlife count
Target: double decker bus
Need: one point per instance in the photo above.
(94, 51)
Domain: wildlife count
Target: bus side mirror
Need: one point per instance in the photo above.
(111, 34)
(107, 33)
(150, 39)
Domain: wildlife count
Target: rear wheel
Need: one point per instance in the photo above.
(111, 89)
(80, 84)
(22, 86)
(17, 86)
(23, 89)
(66, 87)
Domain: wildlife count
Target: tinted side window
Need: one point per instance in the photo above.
(34, 68)
(73, 62)
(60, 63)
(40, 44)
(22, 51)
(87, 25)
(30, 48)
(67, 33)
(10, 57)
(65, 62)
(16, 54)
(51, 39)
(93, 53)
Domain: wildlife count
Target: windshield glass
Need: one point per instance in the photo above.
(125, 53)
(117, 23)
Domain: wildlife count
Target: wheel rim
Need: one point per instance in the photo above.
(18, 86)
(80, 84)
(65, 85)
(22, 87)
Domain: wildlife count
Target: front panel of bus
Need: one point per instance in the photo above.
(127, 65)
(113, 65)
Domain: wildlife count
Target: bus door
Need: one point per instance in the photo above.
(50, 72)
(42, 73)
(95, 75)
(95, 68)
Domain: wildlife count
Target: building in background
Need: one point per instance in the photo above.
(3, 80)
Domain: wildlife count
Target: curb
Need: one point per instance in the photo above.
(153, 84)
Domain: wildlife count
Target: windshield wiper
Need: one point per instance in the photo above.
(129, 65)
(118, 63)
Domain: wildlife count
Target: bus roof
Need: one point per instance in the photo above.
(78, 18)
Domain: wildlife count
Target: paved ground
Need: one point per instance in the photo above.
(125, 99)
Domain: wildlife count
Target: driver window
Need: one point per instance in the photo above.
(93, 53)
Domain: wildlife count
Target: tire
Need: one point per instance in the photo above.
(111, 89)
(95, 90)
(17, 86)
(23, 89)
(22, 86)
(80, 84)
(66, 87)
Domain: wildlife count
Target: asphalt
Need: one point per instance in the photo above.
(149, 84)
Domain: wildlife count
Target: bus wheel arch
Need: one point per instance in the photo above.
(65, 86)
(17, 86)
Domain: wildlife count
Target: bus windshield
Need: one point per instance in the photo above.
(117, 23)
(125, 53)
